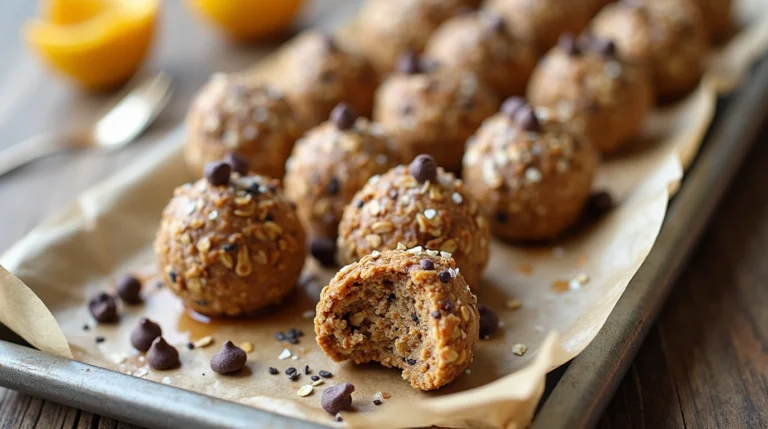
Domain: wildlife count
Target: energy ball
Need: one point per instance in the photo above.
(542, 21)
(332, 162)
(405, 309)
(416, 205)
(718, 17)
(231, 114)
(669, 37)
(530, 172)
(433, 113)
(387, 28)
(317, 74)
(229, 245)
(481, 43)
(588, 84)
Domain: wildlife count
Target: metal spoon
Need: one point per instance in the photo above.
(118, 127)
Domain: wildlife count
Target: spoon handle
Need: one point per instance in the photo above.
(31, 149)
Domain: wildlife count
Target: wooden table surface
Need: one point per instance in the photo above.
(703, 365)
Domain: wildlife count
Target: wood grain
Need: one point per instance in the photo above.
(704, 364)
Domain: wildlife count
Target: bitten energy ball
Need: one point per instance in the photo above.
(481, 43)
(544, 20)
(230, 244)
(230, 114)
(416, 205)
(586, 83)
(407, 309)
(332, 162)
(669, 37)
(389, 28)
(316, 74)
(718, 17)
(433, 113)
(529, 172)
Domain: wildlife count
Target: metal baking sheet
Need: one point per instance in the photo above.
(579, 393)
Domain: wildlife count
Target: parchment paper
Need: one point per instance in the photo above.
(110, 228)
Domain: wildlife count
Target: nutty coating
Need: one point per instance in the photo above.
(481, 43)
(329, 165)
(388, 309)
(534, 184)
(230, 249)
(669, 37)
(718, 17)
(316, 74)
(603, 96)
(232, 114)
(542, 21)
(433, 113)
(389, 28)
(439, 215)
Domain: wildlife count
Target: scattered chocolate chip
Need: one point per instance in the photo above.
(217, 173)
(377, 402)
(86, 328)
(605, 47)
(230, 358)
(408, 63)
(100, 339)
(501, 217)
(412, 361)
(162, 356)
(511, 105)
(599, 204)
(427, 264)
(172, 275)
(103, 308)
(338, 418)
(129, 289)
(144, 333)
(296, 332)
(435, 314)
(306, 369)
(273, 371)
(568, 44)
(254, 188)
(391, 297)
(333, 186)
(359, 204)
(445, 276)
(294, 377)
(190, 345)
(527, 120)
(290, 370)
(314, 378)
(343, 116)
(292, 340)
(414, 318)
(423, 168)
(325, 374)
(238, 162)
(228, 247)
(279, 336)
(489, 321)
(337, 398)
(324, 250)
(269, 217)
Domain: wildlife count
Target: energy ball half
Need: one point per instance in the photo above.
(587, 83)
(405, 309)
(417, 205)
(332, 162)
(531, 173)
(668, 37)
(231, 114)
(230, 245)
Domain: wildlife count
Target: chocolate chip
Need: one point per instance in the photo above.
(172, 275)
(273, 371)
(293, 340)
(414, 318)
(129, 288)
(445, 276)
(605, 47)
(254, 188)
(306, 369)
(228, 247)
(314, 378)
(86, 328)
(230, 358)
(391, 297)
(270, 218)
(359, 204)
(568, 44)
(501, 217)
(144, 334)
(408, 63)
(190, 345)
(377, 402)
(337, 398)
(162, 356)
(238, 162)
(343, 116)
(489, 321)
(217, 173)
(435, 314)
(103, 308)
(333, 186)
(325, 374)
(423, 168)
(273, 188)
(427, 264)
(324, 250)
(511, 105)
(527, 120)
(337, 418)
(296, 332)
(279, 336)
(99, 339)
(290, 370)
(412, 361)
(599, 204)
(294, 377)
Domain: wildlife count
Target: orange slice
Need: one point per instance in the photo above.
(249, 19)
